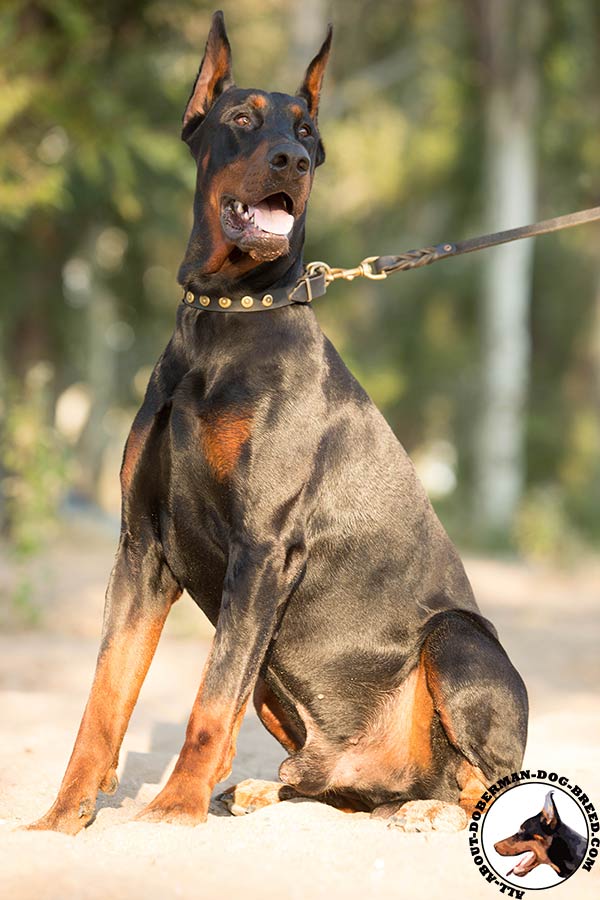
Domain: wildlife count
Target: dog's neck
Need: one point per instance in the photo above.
(232, 281)
(239, 276)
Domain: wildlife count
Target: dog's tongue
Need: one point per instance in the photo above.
(521, 867)
(270, 215)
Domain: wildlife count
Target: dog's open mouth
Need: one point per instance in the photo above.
(262, 228)
(524, 865)
(273, 215)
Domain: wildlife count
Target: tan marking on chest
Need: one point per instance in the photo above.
(223, 436)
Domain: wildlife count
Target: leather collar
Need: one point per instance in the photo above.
(306, 289)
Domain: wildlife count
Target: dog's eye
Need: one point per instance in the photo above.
(243, 120)
(304, 131)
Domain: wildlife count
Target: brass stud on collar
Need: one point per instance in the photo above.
(189, 297)
(267, 300)
(247, 302)
(204, 300)
(224, 302)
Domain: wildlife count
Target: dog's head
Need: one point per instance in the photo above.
(256, 154)
(533, 838)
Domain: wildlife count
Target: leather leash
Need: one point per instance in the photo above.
(319, 275)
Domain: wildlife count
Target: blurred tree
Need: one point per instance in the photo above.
(95, 206)
(509, 38)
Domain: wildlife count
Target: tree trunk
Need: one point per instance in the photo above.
(308, 26)
(509, 32)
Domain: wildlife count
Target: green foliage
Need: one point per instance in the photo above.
(33, 461)
(95, 200)
(542, 531)
(34, 472)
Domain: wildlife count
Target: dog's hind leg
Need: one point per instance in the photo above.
(480, 699)
(480, 704)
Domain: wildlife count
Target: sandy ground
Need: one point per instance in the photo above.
(548, 620)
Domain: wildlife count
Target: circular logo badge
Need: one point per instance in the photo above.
(533, 830)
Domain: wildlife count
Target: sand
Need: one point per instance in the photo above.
(548, 621)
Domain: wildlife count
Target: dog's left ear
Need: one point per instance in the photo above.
(214, 76)
(549, 811)
(310, 89)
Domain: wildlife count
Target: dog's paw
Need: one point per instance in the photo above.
(171, 815)
(179, 803)
(428, 815)
(67, 820)
(252, 794)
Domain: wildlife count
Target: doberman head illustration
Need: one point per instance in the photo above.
(546, 839)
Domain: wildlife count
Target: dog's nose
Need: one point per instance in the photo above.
(289, 159)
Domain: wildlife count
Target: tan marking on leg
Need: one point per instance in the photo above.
(230, 754)
(223, 437)
(120, 671)
(434, 688)
(470, 778)
(271, 714)
(205, 759)
(472, 784)
(419, 744)
(210, 742)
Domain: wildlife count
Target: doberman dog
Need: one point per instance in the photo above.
(546, 840)
(260, 477)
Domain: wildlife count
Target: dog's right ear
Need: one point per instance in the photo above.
(214, 75)
(310, 89)
(549, 811)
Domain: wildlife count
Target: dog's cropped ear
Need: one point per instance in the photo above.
(214, 75)
(310, 89)
(549, 811)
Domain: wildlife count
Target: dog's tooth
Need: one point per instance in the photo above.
(239, 207)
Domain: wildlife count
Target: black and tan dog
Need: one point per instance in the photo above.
(547, 841)
(260, 477)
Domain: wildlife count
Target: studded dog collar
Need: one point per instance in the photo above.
(311, 285)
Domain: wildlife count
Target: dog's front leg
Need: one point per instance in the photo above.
(139, 596)
(255, 589)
